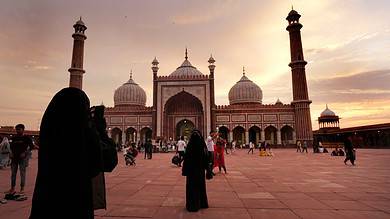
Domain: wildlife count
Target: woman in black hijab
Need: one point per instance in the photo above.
(69, 157)
(194, 167)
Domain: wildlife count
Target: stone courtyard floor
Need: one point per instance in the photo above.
(288, 185)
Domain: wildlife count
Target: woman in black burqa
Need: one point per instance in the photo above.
(69, 157)
(194, 167)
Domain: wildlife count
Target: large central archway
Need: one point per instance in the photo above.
(179, 108)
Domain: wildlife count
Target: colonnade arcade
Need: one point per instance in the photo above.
(271, 134)
(130, 134)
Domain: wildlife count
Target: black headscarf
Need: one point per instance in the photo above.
(69, 156)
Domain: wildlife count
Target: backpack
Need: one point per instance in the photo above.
(4, 149)
(176, 160)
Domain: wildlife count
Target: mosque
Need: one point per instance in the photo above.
(185, 99)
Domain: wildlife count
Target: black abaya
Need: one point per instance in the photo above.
(69, 157)
(194, 167)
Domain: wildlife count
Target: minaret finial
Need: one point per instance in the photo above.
(186, 57)
(131, 74)
(326, 106)
(292, 7)
(243, 70)
(80, 18)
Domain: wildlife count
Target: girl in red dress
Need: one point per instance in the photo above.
(219, 158)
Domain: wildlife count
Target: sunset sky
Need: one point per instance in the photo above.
(346, 44)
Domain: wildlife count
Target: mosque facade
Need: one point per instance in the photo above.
(185, 100)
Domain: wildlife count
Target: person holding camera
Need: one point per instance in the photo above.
(67, 184)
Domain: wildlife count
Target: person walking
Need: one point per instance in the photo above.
(5, 151)
(299, 146)
(226, 148)
(251, 147)
(19, 145)
(65, 183)
(233, 146)
(219, 158)
(194, 167)
(349, 152)
(304, 148)
(181, 147)
(149, 149)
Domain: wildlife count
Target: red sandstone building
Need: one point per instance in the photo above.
(368, 136)
(185, 99)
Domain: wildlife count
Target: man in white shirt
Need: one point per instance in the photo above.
(210, 149)
(251, 147)
(181, 147)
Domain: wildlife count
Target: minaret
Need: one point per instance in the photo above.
(154, 112)
(212, 92)
(76, 69)
(301, 100)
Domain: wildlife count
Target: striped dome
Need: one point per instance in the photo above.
(130, 93)
(245, 91)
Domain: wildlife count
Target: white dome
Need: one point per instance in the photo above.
(328, 112)
(186, 69)
(245, 91)
(130, 93)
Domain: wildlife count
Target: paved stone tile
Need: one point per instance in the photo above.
(154, 201)
(381, 205)
(353, 214)
(346, 205)
(304, 204)
(218, 213)
(289, 185)
(256, 195)
(327, 196)
(174, 202)
(225, 203)
(177, 212)
(262, 203)
(317, 214)
(272, 213)
(291, 195)
(132, 211)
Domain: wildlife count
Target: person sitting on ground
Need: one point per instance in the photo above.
(270, 153)
(340, 152)
(334, 152)
(263, 152)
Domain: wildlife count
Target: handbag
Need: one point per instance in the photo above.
(109, 155)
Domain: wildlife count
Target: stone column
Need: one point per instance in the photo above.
(262, 134)
(246, 137)
(230, 136)
(278, 137)
(123, 138)
(294, 137)
(138, 134)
